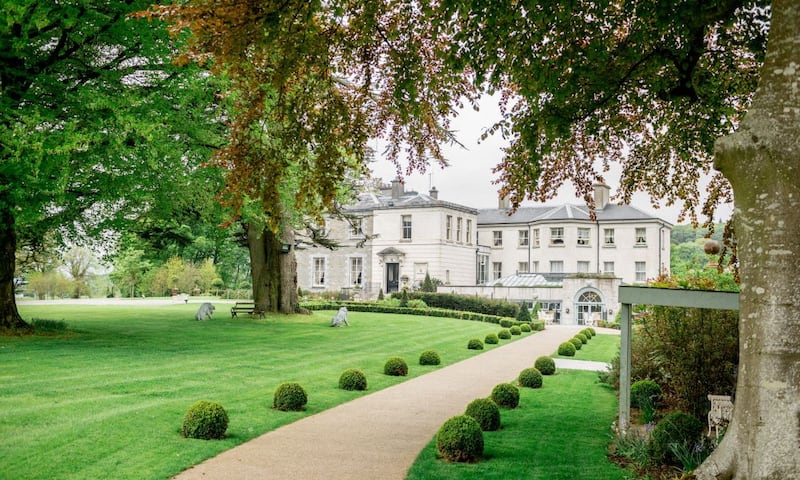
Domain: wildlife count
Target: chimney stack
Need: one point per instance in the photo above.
(601, 195)
(503, 203)
(397, 188)
(434, 194)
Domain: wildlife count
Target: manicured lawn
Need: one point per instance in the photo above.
(107, 399)
(601, 348)
(559, 432)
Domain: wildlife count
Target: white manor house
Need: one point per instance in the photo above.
(556, 255)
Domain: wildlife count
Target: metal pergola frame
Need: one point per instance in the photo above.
(668, 297)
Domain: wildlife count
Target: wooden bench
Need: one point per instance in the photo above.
(245, 307)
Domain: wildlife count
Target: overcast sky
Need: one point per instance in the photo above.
(468, 178)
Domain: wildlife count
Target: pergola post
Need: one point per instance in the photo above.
(625, 369)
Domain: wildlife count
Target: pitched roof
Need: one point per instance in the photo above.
(526, 215)
(408, 199)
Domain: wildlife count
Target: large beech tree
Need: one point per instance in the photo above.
(665, 87)
(96, 124)
(311, 83)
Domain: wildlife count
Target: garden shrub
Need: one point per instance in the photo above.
(504, 334)
(475, 344)
(566, 349)
(515, 330)
(644, 392)
(524, 316)
(530, 378)
(525, 327)
(506, 323)
(588, 332)
(582, 338)
(205, 420)
(289, 397)
(505, 395)
(546, 365)
(491, 339)
(592, 331)
(537, 325)
(460, 439)
(396, 367)
(576, 342)
(486, 412)
(676, 428)
(353, 379)
(429, 357)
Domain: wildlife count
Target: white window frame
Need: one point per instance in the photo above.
(641, 236)
(469, 231)
(524, 238)
(459, 224)
(534, 266)
(608, 267)
(448, 228)
(583, 236)
(641, 271)
(556, 266)
(497, 238)
(497, 270)
(405, 222)
(536, 238)
(318, 271)
(582, 266)
(556, 235)
(356, 227)
(608, 237)
(523, 267)
(356, 271)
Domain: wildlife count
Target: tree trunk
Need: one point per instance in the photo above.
(10, 319)
(762, 162)
(273, 271)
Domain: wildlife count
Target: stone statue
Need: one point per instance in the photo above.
(205, 311)
(340, 318)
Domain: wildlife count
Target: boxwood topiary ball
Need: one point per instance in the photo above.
(576, 342)
(515, 330)
(644, 392)
(546, 365)
(505, 395)
(205, 420)
(396, 367)
(530, 378)
(525, 327)
(486, 412)
(429, 357)
(592, 331)
(587, 333)
(353, 379)
(475, 344)
(506, 323)
(460, 439)
(491, 339)
(504, 334)
(582, 338)
(567, 349)
(289, 397)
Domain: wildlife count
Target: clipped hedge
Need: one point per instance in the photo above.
(205, 420)
(486, 412)
(515, 330)
(429, 357)
(371, 307)
(505, 395)
(530, 378)
(504, 334)
(567, 349)
(491, 339)
(353, 379)
(460, 439)
(576, 342)
(289, 397)
(475, 344)
(525, 327)
(546, 365)
(396, 367)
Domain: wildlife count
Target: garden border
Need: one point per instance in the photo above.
(668, 297)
